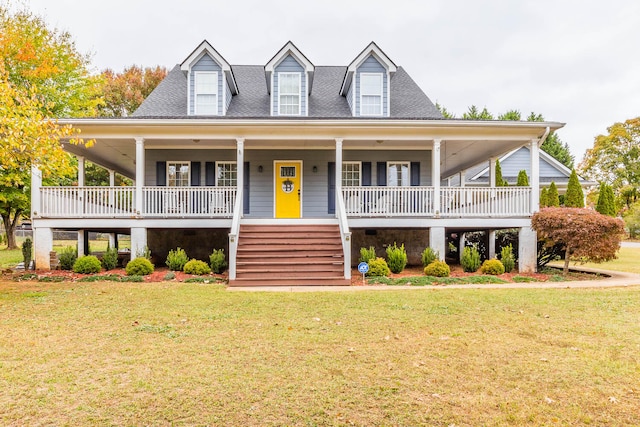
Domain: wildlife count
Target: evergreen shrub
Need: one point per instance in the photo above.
(437, 268)
(88, 264)
(470, 259)
(396, 258)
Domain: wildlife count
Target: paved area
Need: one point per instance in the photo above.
(615, 279)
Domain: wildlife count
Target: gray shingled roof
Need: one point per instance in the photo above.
(169, 99)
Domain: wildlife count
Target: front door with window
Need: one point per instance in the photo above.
(288, 189)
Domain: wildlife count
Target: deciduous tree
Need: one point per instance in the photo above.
(585, 234)
(124, 92)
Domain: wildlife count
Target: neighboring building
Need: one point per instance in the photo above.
(291, 167)
(511, 163)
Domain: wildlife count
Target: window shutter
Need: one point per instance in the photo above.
(161, 174)
(209, 174)
(415, 174)
(195, 174)
(331, 180)
(245, 187)
(382, 174)
(366, 174)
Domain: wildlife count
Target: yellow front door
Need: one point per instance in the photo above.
(288, 189)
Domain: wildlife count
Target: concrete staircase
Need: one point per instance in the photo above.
(289, 255)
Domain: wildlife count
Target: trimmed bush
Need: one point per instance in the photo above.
(217, 261)
(110, 258)
(367, 255)
(574, 197)
(378, 268)
(196, 267)
(396, 258)
(492, 266)
(470, 259)
(27, 247)
(437, 268)
(140, 266)
(176, 259)
(507, 258)
(68, 257)
(523, 179)
(87, 264)
(428, 256)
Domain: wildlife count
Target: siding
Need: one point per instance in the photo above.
(520, 160)
(229, 96)
(153, 156)
(424, 157)
(371, 65)
(206, 63)
(290, 65)
(350, 98)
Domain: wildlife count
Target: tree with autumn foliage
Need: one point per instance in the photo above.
(124, 92)
(585, 234)
(42, 76)
(614, 159)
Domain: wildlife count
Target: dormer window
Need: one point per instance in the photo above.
(371, 94)
(289, 92)
(206, 93)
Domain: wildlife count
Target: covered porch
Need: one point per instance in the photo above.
(421, 153)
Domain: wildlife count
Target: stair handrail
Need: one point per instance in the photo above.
(345, 233)
(234, 232)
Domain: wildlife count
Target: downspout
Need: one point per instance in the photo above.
(544, 136)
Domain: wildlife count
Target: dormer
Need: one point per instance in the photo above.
(289, 76)
(211, 84)
(366, 84)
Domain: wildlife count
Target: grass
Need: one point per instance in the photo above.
(627, 261)
(194, 354)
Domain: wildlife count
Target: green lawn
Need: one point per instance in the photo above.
(192, 354)
(628, 260)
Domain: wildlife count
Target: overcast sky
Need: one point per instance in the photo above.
(575, 62)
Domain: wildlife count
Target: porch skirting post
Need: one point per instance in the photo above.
(42, 246)
(112, 240)
(139, 179)
(138, 241)
(435, 176)
(437, 241)
(527, 250)
(491, 236)
(461, 245)
(81, 243)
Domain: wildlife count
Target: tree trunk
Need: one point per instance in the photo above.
(9, 228)
(565, 269)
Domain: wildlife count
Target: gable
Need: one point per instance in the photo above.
(205, 64)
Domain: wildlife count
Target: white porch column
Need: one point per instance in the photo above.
(138, 241)
(36, 183)
(139, 177)
(112, 178)
(437, 241)
(527, 250)
(535, 176)
(338, 171)
(81, 243)
(435, 176)
(492, 171)
(491, 236)
(463, 178)
(112, 240)
(461, 245)
(240, 171)
(80, 171)
(42, 246)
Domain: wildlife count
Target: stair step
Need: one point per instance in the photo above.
(289, 269)
(254, 254)
(285, 248)
(288, 241)
(288, 228)
(288, 262)
(308, 281)
(304, 235)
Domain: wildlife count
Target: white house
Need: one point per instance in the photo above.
(291, 167)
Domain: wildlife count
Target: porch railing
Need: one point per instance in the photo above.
(119, 202)
(188, 201)
(454, 201)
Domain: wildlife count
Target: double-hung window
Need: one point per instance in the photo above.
(226, 174)
(398, 174)
(289, 94)
(206, 93)
(371, 94)
(178, 174)
(351, 176)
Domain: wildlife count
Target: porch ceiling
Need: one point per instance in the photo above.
(464, 143)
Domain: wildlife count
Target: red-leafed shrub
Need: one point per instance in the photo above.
(585, 234)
